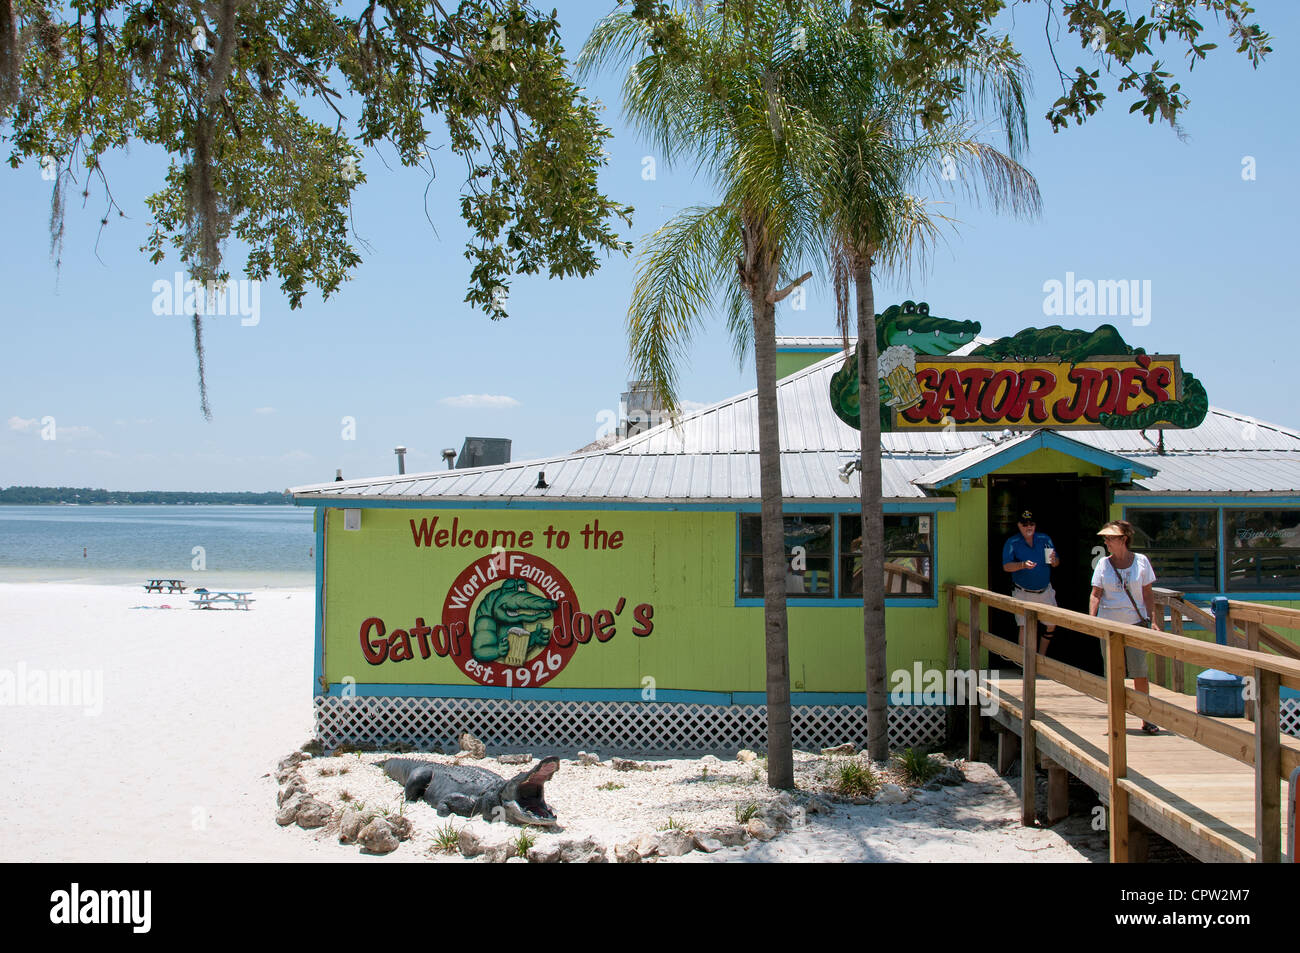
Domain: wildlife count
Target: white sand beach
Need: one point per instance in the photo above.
(175, 760)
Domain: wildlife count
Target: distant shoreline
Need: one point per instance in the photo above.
(89, 496)
(145, 503)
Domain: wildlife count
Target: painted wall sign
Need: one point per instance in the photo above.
(509, 618)
(1038, 378)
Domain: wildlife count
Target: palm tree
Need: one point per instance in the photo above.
(715, 82)
(882, 150)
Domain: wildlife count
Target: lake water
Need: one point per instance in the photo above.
(213, 546)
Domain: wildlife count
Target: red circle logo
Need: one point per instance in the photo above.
(510, 604)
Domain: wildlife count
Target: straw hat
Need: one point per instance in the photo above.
(1110, 531)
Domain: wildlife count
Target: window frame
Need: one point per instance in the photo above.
(1221, 504)
(846, 554)
(835, 512)
(1229, 551)
(1217, 563)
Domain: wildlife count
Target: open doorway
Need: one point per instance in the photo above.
(1069, 508)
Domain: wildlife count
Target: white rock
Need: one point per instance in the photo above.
(891, 794)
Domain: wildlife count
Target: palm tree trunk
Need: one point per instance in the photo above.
(780, 753)
(873, 518)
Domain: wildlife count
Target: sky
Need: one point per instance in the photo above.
(97, 390)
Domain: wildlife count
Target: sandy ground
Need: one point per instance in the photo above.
(174, 760)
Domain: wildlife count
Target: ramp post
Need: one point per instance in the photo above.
(1116, 713)
(1029, 662)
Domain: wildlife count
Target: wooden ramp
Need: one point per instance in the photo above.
(1196, 798)
(1213, 786)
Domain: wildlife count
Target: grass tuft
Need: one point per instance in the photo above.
(447, 838)
(746, 812)
(854, 779)
(525, 840)
(916, 766)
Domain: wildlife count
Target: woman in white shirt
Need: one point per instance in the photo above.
(1114, 579)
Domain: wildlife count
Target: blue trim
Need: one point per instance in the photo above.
(663, 696)
(932, 505)
(1190, 501)
(510, 503)
(942, 504)
(318, 651)
(1048, 440)
(803, 698)
(1292, 596)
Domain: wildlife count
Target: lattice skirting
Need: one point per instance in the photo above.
(1289, 716)
(638, 727)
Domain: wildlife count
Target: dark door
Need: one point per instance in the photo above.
(1070, 509)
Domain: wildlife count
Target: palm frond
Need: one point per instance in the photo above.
(678, 275)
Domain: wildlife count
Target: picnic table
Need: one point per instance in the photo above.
(173, 585)
(218, 598)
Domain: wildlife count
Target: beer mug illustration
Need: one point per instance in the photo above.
(518, 637)
(897, 365)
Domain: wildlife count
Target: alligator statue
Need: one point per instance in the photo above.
(509, 606)
(460, 789)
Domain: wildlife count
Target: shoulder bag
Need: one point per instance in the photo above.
(1142, 617)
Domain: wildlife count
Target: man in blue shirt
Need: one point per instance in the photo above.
(1028, 556)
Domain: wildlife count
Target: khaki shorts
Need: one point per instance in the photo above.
(1046, 598)
(1135, 660)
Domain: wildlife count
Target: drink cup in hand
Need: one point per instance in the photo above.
(1049, 554)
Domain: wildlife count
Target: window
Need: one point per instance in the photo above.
(1263, 549)
(809, 556)
(1183, 546)
(909, 555)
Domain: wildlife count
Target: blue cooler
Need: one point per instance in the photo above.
(1219, 694)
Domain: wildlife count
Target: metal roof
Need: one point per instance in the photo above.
(712, 455)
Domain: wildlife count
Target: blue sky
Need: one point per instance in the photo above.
(400, 353)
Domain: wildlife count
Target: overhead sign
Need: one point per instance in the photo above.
(1036, 379)
(998, 395)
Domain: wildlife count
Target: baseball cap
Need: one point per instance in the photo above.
(1027, 516)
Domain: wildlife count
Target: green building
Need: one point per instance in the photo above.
(612, 599)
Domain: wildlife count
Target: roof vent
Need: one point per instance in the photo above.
(483, 452)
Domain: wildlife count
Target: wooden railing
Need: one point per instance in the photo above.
(1261, 749)
(1245, 630)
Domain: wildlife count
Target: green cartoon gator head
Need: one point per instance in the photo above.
(908, 324)
(911, 324)
(510, 606)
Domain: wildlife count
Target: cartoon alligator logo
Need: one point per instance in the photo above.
(909, 325)
(502, 615)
